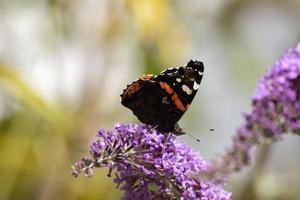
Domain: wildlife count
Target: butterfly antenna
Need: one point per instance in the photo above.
(179, 129)
(198, 140)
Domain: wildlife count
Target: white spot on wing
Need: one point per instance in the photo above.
(196, 85)
(186, 89)
(200, 73)
(178, 80)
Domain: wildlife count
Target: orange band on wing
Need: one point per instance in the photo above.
(177, 102)
(166, 87)
(175, 98)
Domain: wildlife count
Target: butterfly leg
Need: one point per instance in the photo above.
(165, 142)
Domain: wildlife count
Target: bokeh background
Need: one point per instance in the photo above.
(64, 63)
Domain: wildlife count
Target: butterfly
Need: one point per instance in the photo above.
(161, 100)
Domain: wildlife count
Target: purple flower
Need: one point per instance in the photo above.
(149, 165)
(276, 104)
(275, 111)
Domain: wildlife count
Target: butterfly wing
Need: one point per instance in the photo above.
(151, 104)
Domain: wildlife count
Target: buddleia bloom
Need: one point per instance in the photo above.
(275, 112)
(149, 165)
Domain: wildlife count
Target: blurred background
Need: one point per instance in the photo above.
(64, 63)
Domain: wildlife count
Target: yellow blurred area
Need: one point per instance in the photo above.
(158, 27)
(150, 16)
(63, 65)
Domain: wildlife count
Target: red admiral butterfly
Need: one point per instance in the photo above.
(161, 100)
